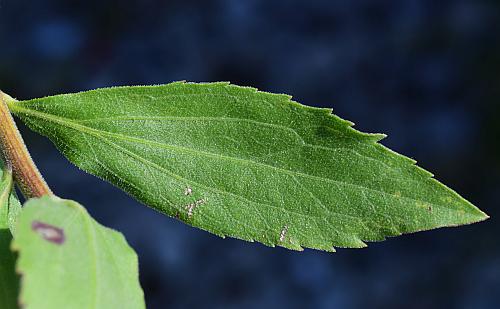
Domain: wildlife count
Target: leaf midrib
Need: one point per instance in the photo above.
(100, 134)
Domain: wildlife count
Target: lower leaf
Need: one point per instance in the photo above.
(68, 260)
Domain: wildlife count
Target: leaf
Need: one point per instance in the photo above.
(9, 202)
(252, 165)
(9, 205)
(68, 260)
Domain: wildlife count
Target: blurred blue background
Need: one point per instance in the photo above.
(427, 73)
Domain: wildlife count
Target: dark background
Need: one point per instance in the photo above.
(427, 73)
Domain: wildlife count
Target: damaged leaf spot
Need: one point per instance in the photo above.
(48, 232)
(191, 207)
(283, 233)
(188, 191)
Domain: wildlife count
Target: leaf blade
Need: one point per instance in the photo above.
(259, 166)
(66, 257)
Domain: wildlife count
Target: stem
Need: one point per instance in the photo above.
(14, 150)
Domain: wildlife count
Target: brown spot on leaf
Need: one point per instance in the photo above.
(48, 232)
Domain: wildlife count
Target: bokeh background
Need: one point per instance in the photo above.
(427, 73)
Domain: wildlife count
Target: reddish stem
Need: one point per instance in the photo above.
(14, 150)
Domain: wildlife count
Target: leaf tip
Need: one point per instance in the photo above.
(479, 215)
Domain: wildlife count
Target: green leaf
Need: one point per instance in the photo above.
(252, 165)
(9, 205)
(68, 260)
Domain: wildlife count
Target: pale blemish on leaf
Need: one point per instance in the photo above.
(447, 199)
(192, 206)
(283, 233)
(49, 232)
(188, 191)
(424, 205)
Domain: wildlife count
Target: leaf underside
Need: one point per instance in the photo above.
(248, 164)
(68, 260)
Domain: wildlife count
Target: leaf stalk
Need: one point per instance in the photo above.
(16, 155)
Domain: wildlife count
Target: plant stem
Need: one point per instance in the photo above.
(14, 150)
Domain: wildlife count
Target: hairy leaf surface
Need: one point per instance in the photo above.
(68, 260)
(9, 207)
(252, 165)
